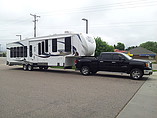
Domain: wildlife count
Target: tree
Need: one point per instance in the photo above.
(4, 54)
(150, 45)
(102, 46)
(119, 46)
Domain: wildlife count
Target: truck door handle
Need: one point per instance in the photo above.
(113, 62)
(101, 61)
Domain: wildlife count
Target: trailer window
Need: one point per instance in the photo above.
(11, 52)
(25, 51)
(18, 51)
(14, 51)
(39, 48)
(30, 50)
(43, 48)
(68, 44)
(21, 52)
(54, 45)
(46, 45)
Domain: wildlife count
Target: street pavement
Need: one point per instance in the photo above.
(144, 103)
(66, 94)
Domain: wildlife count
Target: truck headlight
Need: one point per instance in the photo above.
(147, 64)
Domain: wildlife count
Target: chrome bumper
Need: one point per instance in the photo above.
(148, 72)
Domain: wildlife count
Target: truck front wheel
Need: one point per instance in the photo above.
(85, 70)
(136, 74)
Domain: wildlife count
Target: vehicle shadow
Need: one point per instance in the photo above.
(70, 71)
(119, 76)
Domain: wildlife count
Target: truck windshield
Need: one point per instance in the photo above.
(127, 56)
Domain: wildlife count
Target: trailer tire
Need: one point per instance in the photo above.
(45, 68)
(30, 68)
(136, 74)
(85, 70)
(25, 67)
(40, 68)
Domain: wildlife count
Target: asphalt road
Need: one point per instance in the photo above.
(62, 94)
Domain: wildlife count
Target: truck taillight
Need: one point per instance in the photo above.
(76, 61)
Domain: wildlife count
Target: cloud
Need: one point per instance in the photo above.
(126, 21)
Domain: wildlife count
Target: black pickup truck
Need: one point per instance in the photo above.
(114, 62)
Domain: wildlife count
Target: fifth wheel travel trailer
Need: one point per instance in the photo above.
(53, 50)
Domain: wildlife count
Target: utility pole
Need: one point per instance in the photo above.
(0, 48)
(20, 36)
(35, 20)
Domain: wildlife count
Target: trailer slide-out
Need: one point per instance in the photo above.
(53, 50)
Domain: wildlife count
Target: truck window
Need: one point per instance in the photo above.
(68, 44)
(117, 57)
(54, 45)
(106, 57)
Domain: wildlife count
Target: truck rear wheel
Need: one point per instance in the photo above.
(85, 70)
(136, 74)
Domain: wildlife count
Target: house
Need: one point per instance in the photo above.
(142, 53)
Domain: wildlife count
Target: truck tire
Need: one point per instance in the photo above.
(136, 74)
(25, 67)
(85, 70)
(30, 68)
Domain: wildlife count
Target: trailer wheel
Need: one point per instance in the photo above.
(45, 68)
(25, 67)
(85, 70)
(136, 74)
(41, 68)
(30, 68)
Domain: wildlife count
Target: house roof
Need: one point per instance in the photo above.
(141, 51)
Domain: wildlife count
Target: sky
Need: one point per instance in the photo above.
(131, 22)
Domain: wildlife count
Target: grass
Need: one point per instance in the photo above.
(59, 67)
(154, 70)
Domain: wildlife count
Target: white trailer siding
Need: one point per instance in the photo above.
(55, 50)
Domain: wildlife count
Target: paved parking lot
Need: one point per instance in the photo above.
(63, 94)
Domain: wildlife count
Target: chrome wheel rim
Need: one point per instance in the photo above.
(85, 70)
(136, 74)
(29, 67)
(24, 67)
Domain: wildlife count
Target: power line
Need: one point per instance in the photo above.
(119, 5)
